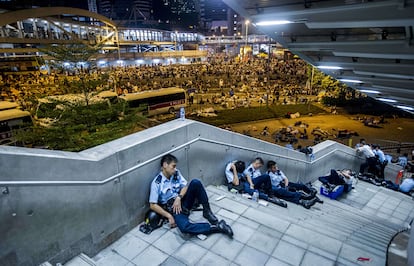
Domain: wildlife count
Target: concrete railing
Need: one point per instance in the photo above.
(57, 204)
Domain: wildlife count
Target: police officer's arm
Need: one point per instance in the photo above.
(236, 180)
(286, 181)
(158, 209)
(346, 174)
(249, 179)
(177, 202)
(153, 200)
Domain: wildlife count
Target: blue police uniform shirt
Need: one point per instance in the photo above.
(380, 154)
(407, 185)
(403, 161)
(163, 189)
(229, 172)
(253, 173)
(276, 178)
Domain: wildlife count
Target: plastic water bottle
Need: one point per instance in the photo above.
(182, 113)
(312, 157)
(255, 196)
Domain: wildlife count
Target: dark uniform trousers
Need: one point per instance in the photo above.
(195, 191)
(258, 182)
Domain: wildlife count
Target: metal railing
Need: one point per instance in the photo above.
(116, 177)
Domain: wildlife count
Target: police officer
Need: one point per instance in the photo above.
(173, 197)
(280, 185)
(254, 180)
(234, 175)
(381, 159)
(370, 161)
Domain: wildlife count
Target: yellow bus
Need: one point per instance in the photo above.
(11, 118)
(157, 101)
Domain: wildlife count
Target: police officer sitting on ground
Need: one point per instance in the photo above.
(283, 188)
(173, 197)
(234, 175)
(405, 187)
(338, 178)
(251, 180)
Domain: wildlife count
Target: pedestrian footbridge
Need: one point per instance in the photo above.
(83, 208)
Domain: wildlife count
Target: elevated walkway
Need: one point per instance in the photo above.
(360, 225)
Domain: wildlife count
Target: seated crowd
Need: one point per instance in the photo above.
(288, 80)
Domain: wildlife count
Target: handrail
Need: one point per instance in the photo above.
(92, 182)
(124, 172)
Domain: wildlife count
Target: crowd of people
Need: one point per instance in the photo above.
(375, 163)
(218, 80)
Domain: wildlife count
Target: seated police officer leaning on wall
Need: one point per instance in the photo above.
(173, 197)
(298, 193)
(250, 180)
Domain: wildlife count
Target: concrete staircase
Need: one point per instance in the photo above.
(354, 230)
(81, 260)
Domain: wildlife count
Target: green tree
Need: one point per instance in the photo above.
(82, 58)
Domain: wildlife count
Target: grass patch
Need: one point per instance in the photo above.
(225, 117)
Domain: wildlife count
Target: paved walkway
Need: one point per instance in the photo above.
(360, 225)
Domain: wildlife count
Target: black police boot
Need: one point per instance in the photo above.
(277, 201)
(307, 203)
(318, 200)
(312, 190)
(306, 196)
(209, 215)
(224, 228)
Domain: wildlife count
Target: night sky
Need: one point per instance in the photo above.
(21, 4)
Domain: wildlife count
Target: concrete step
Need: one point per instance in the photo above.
(333, 219)
(81, 260)
(46, 263)
(333, 233)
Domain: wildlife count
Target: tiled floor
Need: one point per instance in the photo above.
(361, 224)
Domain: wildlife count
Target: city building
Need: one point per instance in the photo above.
(216, 17)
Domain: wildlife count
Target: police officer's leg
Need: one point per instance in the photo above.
(363, 166)
(335, 178)
(186, 226)
(382, 176)
(250, 191)
(247, 188)
(372, 164)
(324, 180)
(196, 191)
(265, 181)
(300, 186)
(285, 194)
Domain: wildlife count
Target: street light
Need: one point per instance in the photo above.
(247, 28)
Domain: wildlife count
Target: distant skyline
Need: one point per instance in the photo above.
(22, 4)
(207, 16)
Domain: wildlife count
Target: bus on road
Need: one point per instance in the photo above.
(166, 100)
(11, 117)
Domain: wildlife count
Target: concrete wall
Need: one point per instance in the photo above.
(56, 222)
(410, 248)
